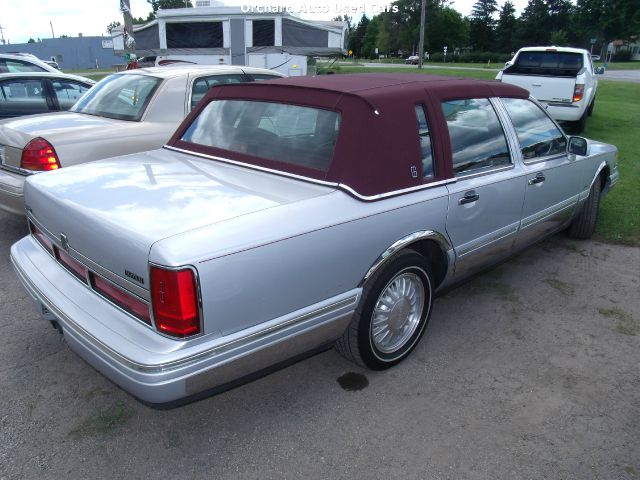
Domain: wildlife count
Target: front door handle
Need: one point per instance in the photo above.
(469, 197)
(539, 178)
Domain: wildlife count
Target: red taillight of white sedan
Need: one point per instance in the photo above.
(39, 156)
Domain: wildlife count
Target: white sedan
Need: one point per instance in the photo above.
(124, 113)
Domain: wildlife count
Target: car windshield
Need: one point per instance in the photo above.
(291, 134)
(123, 97)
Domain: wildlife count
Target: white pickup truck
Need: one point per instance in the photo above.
(562, 78)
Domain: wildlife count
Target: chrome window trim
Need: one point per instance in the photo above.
(505, 132)
(546, 158)
(341, 186)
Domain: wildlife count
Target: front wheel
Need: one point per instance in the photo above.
(393, 313)
(583, 226)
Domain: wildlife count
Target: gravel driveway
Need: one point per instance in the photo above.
(530, 371)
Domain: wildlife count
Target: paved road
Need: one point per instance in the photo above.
(528, 372)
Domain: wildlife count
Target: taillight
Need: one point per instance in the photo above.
(40, 156)
(41, 237)
(174, 300)
(578, 92)
(124, 300)
(72, 264)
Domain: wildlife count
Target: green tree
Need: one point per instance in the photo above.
(113, 25)
(357, 38)
(448, 28)
(482, 25)
(31, 40)
(506, 29)
(532, 20)
(369, 42)
(165, 4)
(559, 38)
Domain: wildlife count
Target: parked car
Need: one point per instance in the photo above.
(39, 92)
(412, 60)
(562, 78)
(127, 112)
(288, 215)
(23, 62)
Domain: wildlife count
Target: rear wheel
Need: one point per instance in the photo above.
(591, 106)
(392, 315)
(584, 224)
(578, 126)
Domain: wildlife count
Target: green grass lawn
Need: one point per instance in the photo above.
(616, 120)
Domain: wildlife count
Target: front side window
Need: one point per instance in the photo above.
(202, 85)
(22, 97)
(426, 154)
(477, 139)
(123, 97)
(291, 134)
(537, 134)
(68, 92)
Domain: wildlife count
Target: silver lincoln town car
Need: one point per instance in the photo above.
(291, 215)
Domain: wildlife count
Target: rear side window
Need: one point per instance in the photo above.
(202, 85)
(291, 134)
(547, 63)
(537, 134)
(477, 139)
(17, 66)
(426, 153)
(68, 92)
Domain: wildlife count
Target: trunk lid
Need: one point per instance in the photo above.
(547, 89)
(112, 211)
(57, 128)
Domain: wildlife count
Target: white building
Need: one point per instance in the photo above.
(268, 37)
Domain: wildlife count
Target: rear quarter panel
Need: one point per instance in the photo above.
(262, 266)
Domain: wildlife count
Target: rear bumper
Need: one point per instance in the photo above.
(11, 192)
(159, 370)
(568, 112)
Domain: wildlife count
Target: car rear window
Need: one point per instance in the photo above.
(123, 97)
(546, 62)
(291, 134)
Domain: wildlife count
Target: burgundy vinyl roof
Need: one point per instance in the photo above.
(378, 144)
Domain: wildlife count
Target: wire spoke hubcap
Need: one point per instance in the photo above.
(397, 312)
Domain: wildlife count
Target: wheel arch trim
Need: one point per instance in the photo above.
(407, 241)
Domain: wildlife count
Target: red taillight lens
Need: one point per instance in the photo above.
(175, 301)
(72, 264)
(578, 92)
(41, 237)
(121, 298)
(40, 156)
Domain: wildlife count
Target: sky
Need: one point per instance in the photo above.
(24, 19)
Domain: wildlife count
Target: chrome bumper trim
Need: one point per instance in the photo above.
(182, 362)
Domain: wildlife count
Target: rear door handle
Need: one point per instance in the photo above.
(469, 197)
(539, 178)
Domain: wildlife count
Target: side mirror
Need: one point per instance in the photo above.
(578, 146)
(600, 71)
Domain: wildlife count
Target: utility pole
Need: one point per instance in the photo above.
(421, 44)
(125, 8)
(52, 34)
(2, 35)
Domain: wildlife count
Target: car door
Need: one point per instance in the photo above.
(554, 178)
(485, 202)
(23, 96)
